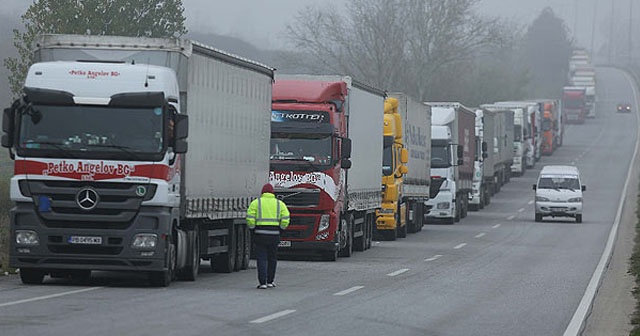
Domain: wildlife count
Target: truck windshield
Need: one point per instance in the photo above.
(314, 148)
(573, 103)
(440, 156)
(87, 130)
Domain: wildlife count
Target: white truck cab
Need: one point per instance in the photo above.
(558, 193)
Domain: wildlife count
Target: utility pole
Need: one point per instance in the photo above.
(630, 27)
(593, 29)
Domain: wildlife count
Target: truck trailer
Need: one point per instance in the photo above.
(326, 161)
(104, 179)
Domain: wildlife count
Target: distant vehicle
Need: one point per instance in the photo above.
(624, 108)
(558, 193)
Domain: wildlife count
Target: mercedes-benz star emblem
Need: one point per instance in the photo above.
(87, 198)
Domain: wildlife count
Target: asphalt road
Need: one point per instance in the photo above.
(497, 272)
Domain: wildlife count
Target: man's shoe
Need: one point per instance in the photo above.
(271, 285)
(262, 287)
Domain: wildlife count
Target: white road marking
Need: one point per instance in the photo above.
(437, 256)
(496, 226)
(46, 297)
(350, 290)
(273, 316)
(511, 217)
(530, 202)
(398, 272)
(521, 210)
(459, 246)
(480, 235)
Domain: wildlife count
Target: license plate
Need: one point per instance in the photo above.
(284, 243)
(85, 240)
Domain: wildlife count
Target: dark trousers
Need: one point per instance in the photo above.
(266, 256)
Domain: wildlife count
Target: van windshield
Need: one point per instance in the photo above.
(559, 183)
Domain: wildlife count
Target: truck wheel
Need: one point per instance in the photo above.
(163, 278)
(483, 195)
(418, 216)
(246, 256)
(30, 276)
(226, 262)
(457, 216)
(402, 229)
(538, 218)
(347, 250)
(190, 271)
(360, 243)
(240, 248)
(579, 218)
(370, 221)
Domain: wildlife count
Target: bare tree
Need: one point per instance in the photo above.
(394, 44)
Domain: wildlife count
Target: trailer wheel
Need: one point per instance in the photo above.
(240, 247)
(226, 262)
(402, 230)
(360, 243)
(246, 254)
(163, 278)
(330, 255)
(370, 222)
(191, 270)
(31, 276)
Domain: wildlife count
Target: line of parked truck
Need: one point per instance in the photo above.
(105, 180)
(579, 97)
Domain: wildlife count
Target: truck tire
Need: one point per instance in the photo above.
(164, 278)
(360, 243)
(418, 216)
(240, 247)
(330, 255)
(192, 268)
(347, 250)
(538, 218)
(247, 249)
(31, 276)
(402, 229)
(226, 262)
(371, 221)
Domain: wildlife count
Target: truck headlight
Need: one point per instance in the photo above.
(324, 223)
(27, 237)
(575, 200)
(145, 241)
(542, 199)
(442, 205)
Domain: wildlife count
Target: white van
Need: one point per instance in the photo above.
(559, 193)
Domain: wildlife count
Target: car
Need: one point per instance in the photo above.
(558, 193)
(624, 108)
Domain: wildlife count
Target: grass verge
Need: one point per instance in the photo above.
(634, 269)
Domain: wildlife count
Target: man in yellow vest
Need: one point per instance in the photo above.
(266, 216)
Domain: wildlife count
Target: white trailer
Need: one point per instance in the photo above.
(158, 209)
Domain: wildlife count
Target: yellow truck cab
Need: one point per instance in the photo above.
(391, 218)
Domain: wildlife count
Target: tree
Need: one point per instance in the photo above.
(150, 18)
(547, 50)
(404, 45)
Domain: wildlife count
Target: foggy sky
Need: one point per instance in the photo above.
(262, 22)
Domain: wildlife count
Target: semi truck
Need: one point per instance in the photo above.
(452, 159)
(521, 137)
(407, 132)
(494, 154)
(326, 161)
(551, 125)
(574, 104)
(533, 116)
(104, 177)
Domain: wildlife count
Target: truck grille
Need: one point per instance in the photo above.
(299, 198)
(115, 207)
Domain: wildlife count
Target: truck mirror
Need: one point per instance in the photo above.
(404, 170)
(180, 146)
(460, 152)
(404, 156)
(7, 121)
(345, 163)
(6, 141)
(181, 126)
(345, 149)
(484, 146)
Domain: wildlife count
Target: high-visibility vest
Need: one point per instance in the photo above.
(268, 215)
